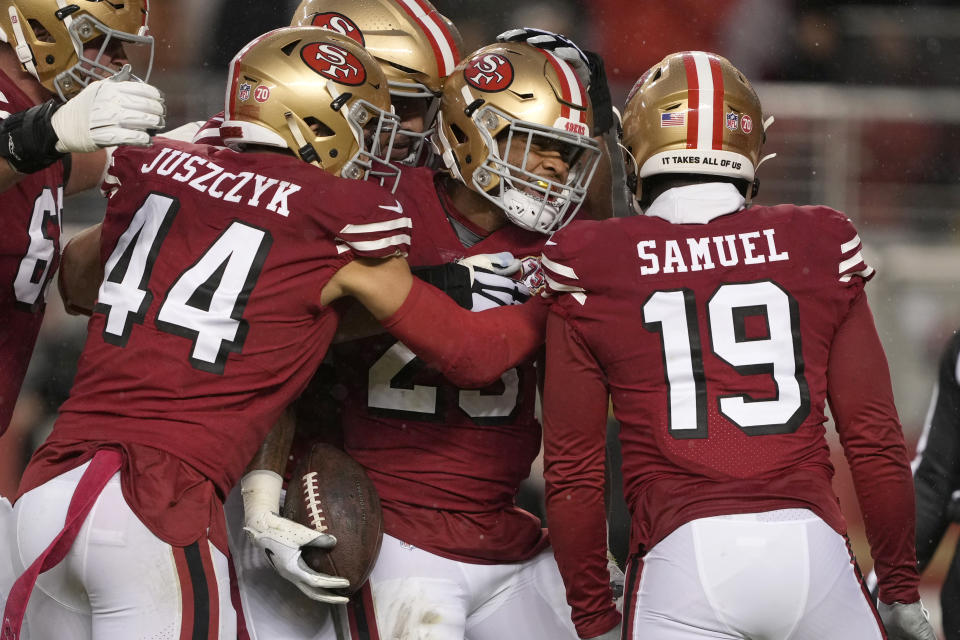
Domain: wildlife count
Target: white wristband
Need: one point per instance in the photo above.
(260, 490)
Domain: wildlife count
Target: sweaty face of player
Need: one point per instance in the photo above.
(412, 113)
(113, 56)
(540, 155)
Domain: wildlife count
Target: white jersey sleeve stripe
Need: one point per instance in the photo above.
(559, 269)
(376, 227)
(576, 293)
(382, 243)
(853, 261)
(850, 245)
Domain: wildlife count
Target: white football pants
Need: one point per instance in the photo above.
(118, 581)
(777, 575)
(419, 596)
(7, 574)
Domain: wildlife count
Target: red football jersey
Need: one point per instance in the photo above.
(446, 462)
(713, 341)
(29, 254)
(209, 322)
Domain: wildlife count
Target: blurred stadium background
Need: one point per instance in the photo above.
(866, 97)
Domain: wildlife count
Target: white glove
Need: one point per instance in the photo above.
(490, 283)
(559, 45)
(906, 621)
(281, 539)
(109, 112)
(613, 634)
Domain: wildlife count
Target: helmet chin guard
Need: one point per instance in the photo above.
(529, 212)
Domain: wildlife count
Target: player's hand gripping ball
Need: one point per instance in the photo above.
(331, 493)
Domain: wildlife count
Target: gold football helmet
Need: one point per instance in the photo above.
(693, 112)
(48, 37)
(509, 91)
(317, 93)
(416, 47)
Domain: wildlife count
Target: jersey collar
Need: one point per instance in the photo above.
(697, 203)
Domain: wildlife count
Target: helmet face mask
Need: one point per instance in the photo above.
(414, 44)
(542, 201)
(503, 111)
(62, 47)
(316, 93)
(416, 115)
(692, 113)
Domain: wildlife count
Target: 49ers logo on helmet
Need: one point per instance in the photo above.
(339, 23)
(335, 63)
(489, 72)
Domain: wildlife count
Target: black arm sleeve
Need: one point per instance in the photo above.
(451, 278)
(937, 475)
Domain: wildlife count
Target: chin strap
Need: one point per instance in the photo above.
(304, 149)
(24, 54)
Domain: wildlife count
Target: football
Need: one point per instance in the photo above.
(330, 492)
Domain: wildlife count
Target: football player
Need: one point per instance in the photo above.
(55, 100)
(214, 311)
(458, 556)
(720, 330)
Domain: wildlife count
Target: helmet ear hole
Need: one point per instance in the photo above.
(320, 129)
(41, 32)
(458, 133)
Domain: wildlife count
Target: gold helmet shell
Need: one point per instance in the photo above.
(693, 112)
(514, 90)
(315, 92)
(416, 47)
(48, 38)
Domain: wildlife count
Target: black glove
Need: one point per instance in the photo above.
(587, 65)
(27, 139)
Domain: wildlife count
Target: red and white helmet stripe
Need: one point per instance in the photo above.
(705, 101)
(444, 47)
(571, 90)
